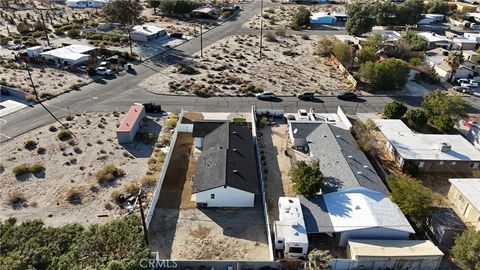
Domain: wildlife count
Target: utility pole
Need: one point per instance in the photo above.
(145, 233)
(261, 28)
(130, 41)
(201, 41)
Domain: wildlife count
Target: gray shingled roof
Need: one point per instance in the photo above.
(342, 162)
(302, 130)
(315, 214)
(228, 159)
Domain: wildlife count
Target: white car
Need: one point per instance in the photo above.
(303, 114)
(104, 64)
(468, 83)
(103, 71)
(266, 95)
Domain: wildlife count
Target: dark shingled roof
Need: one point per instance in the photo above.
(202, 128)
(342, 162)
(315, 214)
(302, 130)
(228, 159)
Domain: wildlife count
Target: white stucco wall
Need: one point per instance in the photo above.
(373, 233)
(226, 197)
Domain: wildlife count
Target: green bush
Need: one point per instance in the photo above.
(171, 121)
(21, 169)
(132, 189)
(148, 181)
(109, 173)
(36, 168)
(74, 33)
(30, 144)
(64, 135)
(394, 110)
(116, 197)
(301, 18)
(416, 118)
(410, 168)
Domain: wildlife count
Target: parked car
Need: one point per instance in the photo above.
(291, 117)
(103, 71)
(347, 96)
(104, 64)
(467, 83)
(303, 114)
(265, 95)
(306, 95)
(462, 89)
(82, 68)
(151, 107)
(176, 35)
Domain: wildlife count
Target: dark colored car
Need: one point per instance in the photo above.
(306, 95)
(151, 107)
(176, 35)
(347, 96)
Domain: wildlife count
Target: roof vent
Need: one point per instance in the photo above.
(365, 166)
(235, 171)
(235, 150)
(338, 136)
(295, 131)
(359, 172)
(357, 207)
(350, 156)
(220, 147)
(443, 147)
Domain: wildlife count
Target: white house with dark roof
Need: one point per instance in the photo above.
(437, 58)
(226, 171)
(464, 194)
(430, 152)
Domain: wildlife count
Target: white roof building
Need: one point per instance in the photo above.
(470, 188)
(146, 32)
(417, 146)
(436, 40)
(473, 36)
(72, 54)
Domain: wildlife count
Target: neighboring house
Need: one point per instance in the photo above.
(473, 36)
(435, 40)
(395, 254)
(322, 18)
(226, 171)
(69, 55)
(462, 7)
(463, 43)
(145, 33)
(430, 152)
(130, 124)
(86, 3)
(290, 232)
(391, 36)
(437, 58)
(341, 161)
(471, 56)
(203, 12)
(355, 213)
(431, 18)
(444, 226)
(473, 15)
(464, 194)
(349, 39)
(34, 51)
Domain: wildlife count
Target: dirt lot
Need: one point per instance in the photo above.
(277, 181)
(181, 231)
(231, 67)
(279, 17)
(72, 165)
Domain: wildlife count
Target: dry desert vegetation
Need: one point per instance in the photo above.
(50, 174)
(231, 67)
(279, 17)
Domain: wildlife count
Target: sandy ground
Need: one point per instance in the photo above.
(70, 167)
(288, 66)
(279, 17)
(181, 231)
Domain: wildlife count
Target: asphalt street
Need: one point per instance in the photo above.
(118, 94)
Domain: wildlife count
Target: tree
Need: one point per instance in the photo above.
(454, 60)
(367, 54)
(410, 12)
(416, 118)
(324, 46)
(318, 260)
(343, 52)
(178, 7)
(416, 42)
(385, 13)
(443, 111)
(359, 21)
(376, 41)
(307, 178)
(154, 4)
(123, 11)
(301, 18)
(394, 110)
(467, 249)
(388, 75)
(437, 6)
(411, 196)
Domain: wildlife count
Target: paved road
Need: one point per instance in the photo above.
(120, 93)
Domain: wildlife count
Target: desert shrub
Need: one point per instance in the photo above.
(21, 169)
(30, 144)
(109, 173)
(73, 195)
(171, 121)
(301, 18)
(132, 189)
(36, 168)
(186, 69)
(149, 137)
(64, 135)
(269, 36)
(280, 32)
(148, 181)
(16, 198)
(2, 168)
(52, 128)
(165, 140)
(116, 197)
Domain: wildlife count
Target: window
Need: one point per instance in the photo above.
(454, 163)
(440, 163)
(280, 241)
(473, 165)
(461, 199)
(212, 196)
(295, 250)
(421, 164)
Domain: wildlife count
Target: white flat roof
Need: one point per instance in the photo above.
(71, 52)
(147, 30)
(362, 208)
(470, 188)
(291, 220)
(417, 146)
(393, 248)
(432, 37)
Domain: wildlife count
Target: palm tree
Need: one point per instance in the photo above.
(318, 260)
(454, 60)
